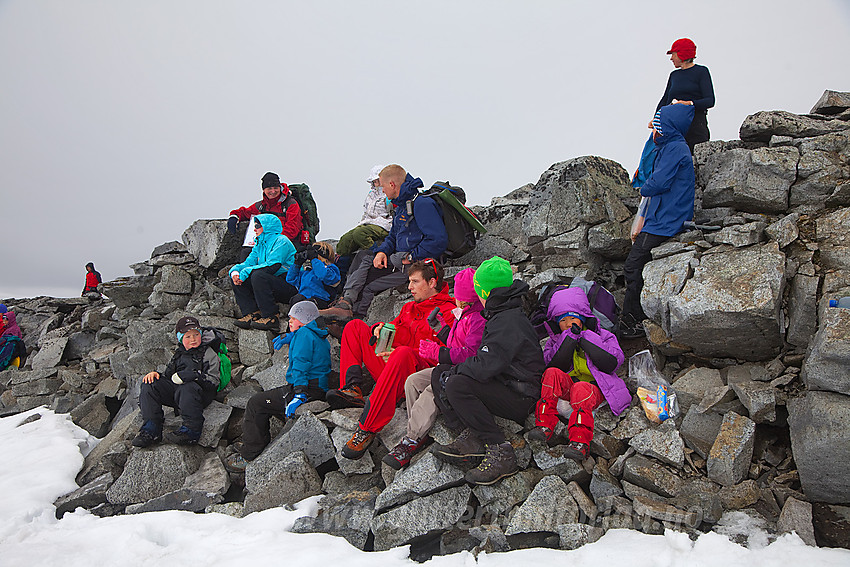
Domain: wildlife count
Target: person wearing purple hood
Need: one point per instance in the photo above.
(581, 363)
(11, 340)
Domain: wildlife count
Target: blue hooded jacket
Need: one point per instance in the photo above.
(270, 248)
(311, 283)
(423, 234)
(309, 356)
(671, 184)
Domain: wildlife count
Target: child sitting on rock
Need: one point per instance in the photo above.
(188, 383)
(307, 380)
(313, 270)
(581, 364)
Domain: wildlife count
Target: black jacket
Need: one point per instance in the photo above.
(201, 363)
(510, 350)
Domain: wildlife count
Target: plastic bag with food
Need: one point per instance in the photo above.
(656, 396)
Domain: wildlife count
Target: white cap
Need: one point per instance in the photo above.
(375, 173)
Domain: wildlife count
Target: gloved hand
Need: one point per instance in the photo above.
(296, 402)
(444, 381)
(429, 350)
(300, 258)
(311, 253)
(183, 376)
(576, 329)
(279, 341)
(435, 320)
(231, 224)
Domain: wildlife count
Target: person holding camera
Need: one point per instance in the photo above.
(316, 274)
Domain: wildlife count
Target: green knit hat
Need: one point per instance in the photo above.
(492, 273)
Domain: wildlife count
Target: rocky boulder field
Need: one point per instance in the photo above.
(739, 324)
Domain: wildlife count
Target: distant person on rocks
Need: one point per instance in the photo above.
(188, 383)
(12, 349)
(392, 366)
(581, 365)
(689, 84)
(306, 378)
(502, 378)
(312, 273)
(418, 232)
(93, 280)
(374, 225)
(276, 200)
(462, 340)
(260, 281)
(670, 189)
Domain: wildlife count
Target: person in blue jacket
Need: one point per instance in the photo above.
(307, 380)
(259, 282)
(670, 189)
(317, 272)
(418, 232)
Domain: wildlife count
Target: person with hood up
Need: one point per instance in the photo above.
(418, 232)
(306, 380)
(462, 341)
(93, 280)
(277, 200)
(670, 189)
(391, 367)
(188, 383)
(502, 378)
(260, 281)
(581, 365)
(313, 273)
(12, 349)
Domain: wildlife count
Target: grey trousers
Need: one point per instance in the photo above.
(421, 408)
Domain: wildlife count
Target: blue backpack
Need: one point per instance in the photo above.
(647, 162)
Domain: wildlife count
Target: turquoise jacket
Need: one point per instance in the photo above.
(309, 356)
(270, 248)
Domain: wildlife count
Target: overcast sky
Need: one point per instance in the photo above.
(121, 122)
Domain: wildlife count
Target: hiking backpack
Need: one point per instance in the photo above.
(462, 226)
(224, 365)
(602, 303)
(300, 193)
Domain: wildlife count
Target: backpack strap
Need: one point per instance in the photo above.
(591, 297)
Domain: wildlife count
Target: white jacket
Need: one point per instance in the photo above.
(376, 210)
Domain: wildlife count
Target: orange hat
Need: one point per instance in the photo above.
(684, 48)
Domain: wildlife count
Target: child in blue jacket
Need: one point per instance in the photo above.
(317, 271)
(307, 380)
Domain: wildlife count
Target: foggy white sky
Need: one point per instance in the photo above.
(121, 122)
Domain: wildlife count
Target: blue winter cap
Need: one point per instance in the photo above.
(3, 308)
(578, 316)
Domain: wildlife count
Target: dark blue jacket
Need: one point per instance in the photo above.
(309, 356)
(423, 234)
(311, 283)
(671, 184)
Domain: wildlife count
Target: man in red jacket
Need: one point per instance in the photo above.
(390, 368)
(278, 201)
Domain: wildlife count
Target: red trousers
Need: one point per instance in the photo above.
(389, 376)
(584, 397)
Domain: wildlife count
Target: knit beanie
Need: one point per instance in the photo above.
(464, 286)
(684, 48)
(492, 273)
(3, 308)
(305, 311)
(271, 180)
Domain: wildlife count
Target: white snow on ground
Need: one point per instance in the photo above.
(40, 460)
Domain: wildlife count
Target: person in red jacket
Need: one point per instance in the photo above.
(93, 280)
(277, 200)
(390, 368)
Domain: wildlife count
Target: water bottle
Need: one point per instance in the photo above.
(842, 302)
(385, 338)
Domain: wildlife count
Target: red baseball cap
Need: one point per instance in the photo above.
(684, 48)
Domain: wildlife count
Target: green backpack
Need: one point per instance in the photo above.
(309, 212)
(224, 365)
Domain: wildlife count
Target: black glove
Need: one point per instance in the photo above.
(231, 225)
(434, 320)
(300, 257)
(311, 254)
(576, 329)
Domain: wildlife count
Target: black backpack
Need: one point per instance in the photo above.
(462, 226)
(602, 303)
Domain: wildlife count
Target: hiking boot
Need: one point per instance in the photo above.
(339, 310)
(467, 448)
(402, 453)
(183, 436)
(266, 323)
(348, 397)
(499, 462)
(335, 328)
(245, 322)
(150, 433)
(540, 433)
(235, 463)
(358, 444)
(630, 329)
(577, 451)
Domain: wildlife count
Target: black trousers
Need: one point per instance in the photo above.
(262, 291)
(698, 132)
(190, 398)
(473, 404)
(639, 256)
(258, 412)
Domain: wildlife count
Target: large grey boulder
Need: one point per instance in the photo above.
(549, 505)
(831, 232)
(307, 435)
(150, 344)
(822, 175)
(150, 473)
(802, 310)
(209, 242)
(692, 386)
(831, 102)
(93, 415)
(129, 291)
(699, 430)
(661, 442)
(50, 354)
(759, 398)
(651, 476)
(731, 305)
(820, 440)
(759, 127)
(348, 467)
(425, 476)
(826, 366)
(87, 496)
(755, 181)
(343, 515)
(663, 279)
(730, 456)
(255, 347)
(796, 517)
(499, 498)
(216, 416)
(287, 482)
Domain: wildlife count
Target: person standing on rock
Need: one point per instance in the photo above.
(670, 189)
(502, 378)
(306, 381)
(93, 280)
(188, 383)
(581, 364)
(260, 281)
(689, 84)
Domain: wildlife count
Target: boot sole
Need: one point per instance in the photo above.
(459, 460)
(494, 481)
(338, 401)
(393, 463)
(574, 455)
